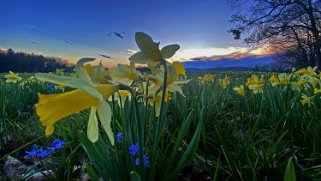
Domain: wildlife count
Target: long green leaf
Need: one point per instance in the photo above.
(91, 172)
(290, 171)
(134, 176)
(188, 154)
(179, 141)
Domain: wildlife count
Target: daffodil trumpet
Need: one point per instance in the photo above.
(87, 94)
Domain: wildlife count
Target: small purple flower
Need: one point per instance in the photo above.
(119, 137)
(146, 161)
(33, 152)
(133, 149)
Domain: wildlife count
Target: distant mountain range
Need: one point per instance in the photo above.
(245, 63)
(218, 69)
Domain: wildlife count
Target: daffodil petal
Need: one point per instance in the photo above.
(169, 50)
(69, 82)
(145, 42)
(182, 81)
(140, 57)
(157, 108)
(56, 79)
(53, 107)
(81, 72)
(104, 114)
(49, 130)
(175, 88)
(92, 128)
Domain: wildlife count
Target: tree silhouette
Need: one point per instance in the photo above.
(286, 25)
(23, 62)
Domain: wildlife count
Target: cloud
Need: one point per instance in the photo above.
(213, 53)
(129, 52)
(3, 49)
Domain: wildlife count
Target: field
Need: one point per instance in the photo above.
(161, 125)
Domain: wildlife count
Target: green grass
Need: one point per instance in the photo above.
(249, 137)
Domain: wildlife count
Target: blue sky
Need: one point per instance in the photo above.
(73, 29)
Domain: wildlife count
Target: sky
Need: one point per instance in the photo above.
(72, 29)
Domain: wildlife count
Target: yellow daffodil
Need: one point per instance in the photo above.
(96, 73)
(12, 77)
(149, 51)
(284, 78)
(120, 96)
(255, 83)
(224, 82)
(317, 91)
(305, 99)
(308, 71)
(60, 71)
(254, 79)
(274, 81)
(173, 80)
(157, 100)
(206, 78)
(90, 70)
(124, 74)
(31, 79)
(256, 88)
(239, 90)
(87, 94)
(180, 70)
(297, 85)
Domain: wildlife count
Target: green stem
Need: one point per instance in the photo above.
(160, 118)
(140, 128)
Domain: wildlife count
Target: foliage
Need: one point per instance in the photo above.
(24, 62)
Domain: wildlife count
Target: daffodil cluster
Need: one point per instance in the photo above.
(207, 78)
(93, 85)
(306, 81)
(255, 83)
(151, 55)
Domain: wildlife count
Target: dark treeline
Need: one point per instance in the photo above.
(23, 62)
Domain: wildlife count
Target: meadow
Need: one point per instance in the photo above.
(165, 124)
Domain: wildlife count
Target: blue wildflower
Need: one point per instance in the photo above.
(52, 86)
(57, 144)
(133, 149)
(43, 153)
(119, 137)
(146, 161)
(137, 161)
(33, 152)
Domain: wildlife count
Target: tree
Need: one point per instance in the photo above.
(285, 25)
(24, 62)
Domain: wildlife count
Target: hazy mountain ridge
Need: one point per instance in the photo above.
(241, 63)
